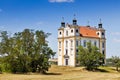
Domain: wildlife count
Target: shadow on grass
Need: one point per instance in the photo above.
(53, 74)
(116, 70)
(40, 73)
(98, 70)
(102, 70)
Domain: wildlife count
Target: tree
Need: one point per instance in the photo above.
(90, 57)
(116, 62)
(28, 50)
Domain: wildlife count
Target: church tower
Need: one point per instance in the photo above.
(101, 32)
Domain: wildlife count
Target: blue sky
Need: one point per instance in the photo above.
(46, 15)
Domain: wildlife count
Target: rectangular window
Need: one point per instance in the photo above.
(95, 43)
(59, 44)
(76, 51)
(80, 42)
(77, 43)
(71, 50)
(84, 43)
(66, 52)
(103, 45)
(103, 52)
(66, 61)
(59, 50)
(71, 43)
(66, 43)
(66, 33)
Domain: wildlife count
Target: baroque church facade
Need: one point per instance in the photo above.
(71, 36)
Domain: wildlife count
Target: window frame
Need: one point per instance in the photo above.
(77, 43)
(95, 43)
(72, 31)
(103, 45)
(66, 33)
(103, 33)
(59, 44)
(66, 43)
(60, 32)
(76, 31)
(84, 43)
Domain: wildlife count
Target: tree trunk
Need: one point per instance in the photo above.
(116, 68)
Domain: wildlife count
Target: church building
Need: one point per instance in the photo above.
(71, 36)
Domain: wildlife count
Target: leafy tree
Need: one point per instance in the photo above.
(116, 62)
(109, 62)
(27, 50)
(90, 57)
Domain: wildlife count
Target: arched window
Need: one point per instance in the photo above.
(76, 30)
(102, 33)
(98, 33)
(71, 31)
(60, 33)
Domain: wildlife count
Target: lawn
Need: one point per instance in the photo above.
(66, 73)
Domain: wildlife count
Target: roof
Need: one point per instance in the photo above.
(86, 31)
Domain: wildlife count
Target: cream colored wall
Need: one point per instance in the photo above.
(101, 48)
(75, 37)
(60, 53)
(90, 39)
(71, 53)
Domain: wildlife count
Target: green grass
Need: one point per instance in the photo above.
(108, 69)
(67, 73)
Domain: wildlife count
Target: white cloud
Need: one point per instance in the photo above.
(59, 1)
(116, 40)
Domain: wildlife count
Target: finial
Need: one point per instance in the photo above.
(100, 24)
(88, 23)
(62, 23)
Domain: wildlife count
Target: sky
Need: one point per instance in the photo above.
(46, 15)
